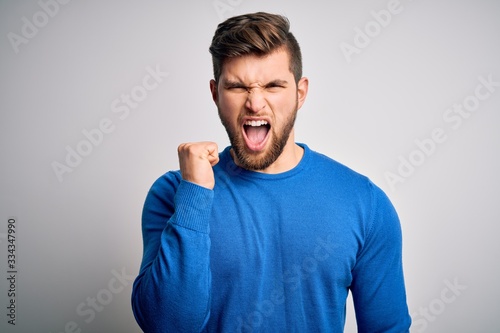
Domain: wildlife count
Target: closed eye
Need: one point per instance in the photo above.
(235, 86)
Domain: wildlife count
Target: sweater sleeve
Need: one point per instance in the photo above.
(378, 288)
(173, 289)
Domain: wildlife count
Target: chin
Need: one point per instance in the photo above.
(258, 160)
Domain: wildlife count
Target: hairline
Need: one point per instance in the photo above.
(283, 47)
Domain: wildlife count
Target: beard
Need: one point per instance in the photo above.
(259, 160)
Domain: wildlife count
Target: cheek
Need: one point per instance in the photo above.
(228, 110)
(228, 102)
(283, 105)
(231, 107)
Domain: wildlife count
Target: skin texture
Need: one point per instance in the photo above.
(251, 88)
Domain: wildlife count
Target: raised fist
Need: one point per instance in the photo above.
(196, 160)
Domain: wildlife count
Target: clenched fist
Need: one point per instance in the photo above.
(196, 160)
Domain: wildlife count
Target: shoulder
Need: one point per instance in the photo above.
(345, 181)
(331, 170)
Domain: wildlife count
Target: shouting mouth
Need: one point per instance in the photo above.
(256, 133)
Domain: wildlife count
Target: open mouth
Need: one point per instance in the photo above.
(256, 133)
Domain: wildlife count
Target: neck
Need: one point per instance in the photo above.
(289, 159)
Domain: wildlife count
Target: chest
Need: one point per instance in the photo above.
(290, 240)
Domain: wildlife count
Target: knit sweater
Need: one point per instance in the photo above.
(270, 252)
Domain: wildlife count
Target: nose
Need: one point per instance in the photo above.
(255, 100)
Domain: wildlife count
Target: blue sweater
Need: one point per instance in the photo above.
(270, 252)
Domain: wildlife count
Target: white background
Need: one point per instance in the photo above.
(365, 110)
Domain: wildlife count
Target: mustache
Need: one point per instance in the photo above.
(252, 114)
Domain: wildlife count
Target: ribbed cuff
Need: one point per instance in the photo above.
(193, 206)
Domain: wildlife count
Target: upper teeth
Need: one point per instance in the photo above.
(255, 122)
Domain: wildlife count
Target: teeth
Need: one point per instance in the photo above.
(255, 122)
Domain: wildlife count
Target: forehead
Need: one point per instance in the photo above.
(253, 68)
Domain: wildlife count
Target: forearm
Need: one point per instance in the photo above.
(172, 291)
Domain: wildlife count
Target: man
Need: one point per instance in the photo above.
(267, 236)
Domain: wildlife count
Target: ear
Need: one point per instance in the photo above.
(213, 90)
(302, 88)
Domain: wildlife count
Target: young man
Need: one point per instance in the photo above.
(267, 236)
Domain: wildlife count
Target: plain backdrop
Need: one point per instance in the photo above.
(405, 92)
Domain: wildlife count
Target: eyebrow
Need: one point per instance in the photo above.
(233, 84)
